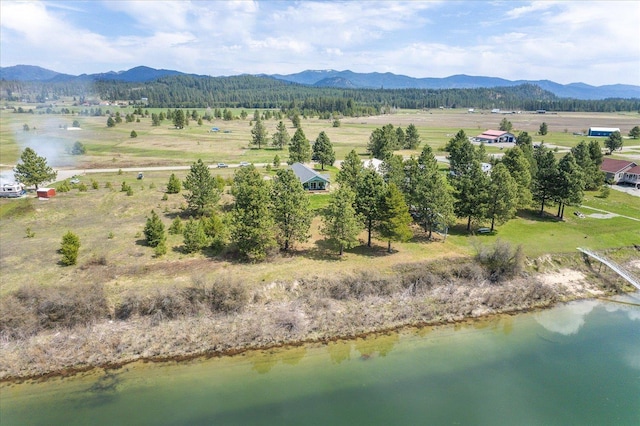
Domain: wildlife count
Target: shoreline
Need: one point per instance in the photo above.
(289, 317)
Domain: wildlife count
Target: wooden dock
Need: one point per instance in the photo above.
(613, 266)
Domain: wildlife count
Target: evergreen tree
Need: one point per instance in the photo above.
(544, 182)
(412, 138)
(592, 175)
(370, 192)
(428, 193)
(544, 129)
(350, 171)
(216, 230)
(613, 142)
(155, 119)
(194, 236)
(569, 186)
(179, 119)
(258, 134)
(111, 122)
(471, 192)
(520, 169)
(202, 187)
(33, 169)
(396, 219)
(295, 120)
(299, 148)
(154, 230)
(505, 125)
(503, 196)
(383, 142)
(595, 152)
(174, 186)
(133, 134)
(525, 143)
(634, 133)
(340, 223)
(291, 209)
(281, 138)
(393, 170)
(252, 223)
(323, 150)
(69, 249)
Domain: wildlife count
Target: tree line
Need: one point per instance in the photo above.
(264, 92)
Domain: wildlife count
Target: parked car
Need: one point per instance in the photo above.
(74, 180)
(140, 175)
(244, 164)
(222, 165)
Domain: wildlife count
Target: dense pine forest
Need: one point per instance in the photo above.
(248, 91)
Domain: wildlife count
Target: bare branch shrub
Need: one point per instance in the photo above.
(501, 261)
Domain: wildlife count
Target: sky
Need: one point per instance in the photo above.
(592, 42)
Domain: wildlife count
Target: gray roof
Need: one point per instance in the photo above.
(305, 174)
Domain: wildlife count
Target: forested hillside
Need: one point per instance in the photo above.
(248, 91)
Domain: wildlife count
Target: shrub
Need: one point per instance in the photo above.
(69, 248)
(29, 233)
(82, 187)
(176, 227)
(174, 186)
(64, 186)
(154, 230)
(129, 192)
(501, 261)
(94, 184)
(194, 236)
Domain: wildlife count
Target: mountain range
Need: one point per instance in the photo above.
(341, 79)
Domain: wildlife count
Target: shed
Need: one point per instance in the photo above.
(46, 192)
(495, 136)
(310, 179)
(602, 131)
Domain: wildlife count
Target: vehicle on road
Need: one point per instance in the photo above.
(244, 164)
(222, 165)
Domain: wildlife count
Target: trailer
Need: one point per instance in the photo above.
(12, 190)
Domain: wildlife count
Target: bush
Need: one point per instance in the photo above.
(31, 308)
(176, 227)
(94, 184)
(174, 186)
(154, 230)
(69, 249)
(82, 187)
(64, 187)
(501, 261)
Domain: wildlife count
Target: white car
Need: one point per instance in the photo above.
(243, 164)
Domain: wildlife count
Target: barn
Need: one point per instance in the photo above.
(45, 193)
(602, 131)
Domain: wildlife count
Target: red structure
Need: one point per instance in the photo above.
(46, 192)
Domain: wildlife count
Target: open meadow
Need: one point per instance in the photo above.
(110, 223)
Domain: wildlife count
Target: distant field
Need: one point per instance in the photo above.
(164, 145)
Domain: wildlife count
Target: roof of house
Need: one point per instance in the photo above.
(612, 165)
(634, 170)
(305, 174)
(493, 134)
(604, 129)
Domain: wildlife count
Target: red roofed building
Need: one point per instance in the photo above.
(495, 136)
(620, 171)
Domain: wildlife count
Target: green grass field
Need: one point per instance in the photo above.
(110, 223)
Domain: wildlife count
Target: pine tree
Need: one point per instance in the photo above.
(396, 219)
(33, 169)
(350, 171)
(69, 248)
(179, 119)
(291, 209)
(503, 200)
(174, 186)
(202, 187)
(412, 138)
(299, 148)
(543, 183)
(194, 236)
(569, 185)
(258, 134)
(252, 223)
(520, 169)
(340, 223)
(154, 230)
(370, 192)
(323, 150)
(613, 142)
(281, 138)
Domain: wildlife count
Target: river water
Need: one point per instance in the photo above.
(575, 364)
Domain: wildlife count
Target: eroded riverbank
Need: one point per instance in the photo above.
(289, 313)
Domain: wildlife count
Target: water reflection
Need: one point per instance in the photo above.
(263, 361)
(567, 319)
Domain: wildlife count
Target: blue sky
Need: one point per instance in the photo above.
(565, 41)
